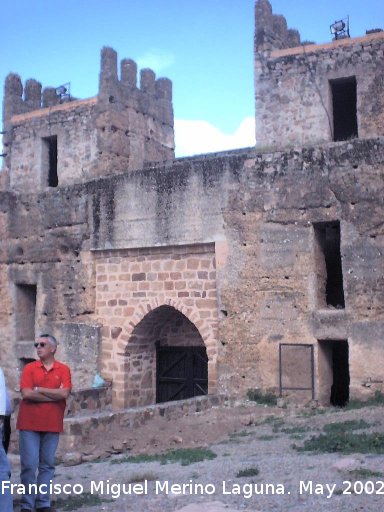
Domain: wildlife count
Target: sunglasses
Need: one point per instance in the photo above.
(41, 344)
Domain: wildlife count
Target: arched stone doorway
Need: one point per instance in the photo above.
(166, 359)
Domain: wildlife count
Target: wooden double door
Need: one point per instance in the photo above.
(181, 372)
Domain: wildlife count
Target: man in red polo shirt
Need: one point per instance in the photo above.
(44, 385)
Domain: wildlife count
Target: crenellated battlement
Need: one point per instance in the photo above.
(51, 140)
(272, 32)
(260, 268)
(309, 93)
(153, 97)
(109, 81)
(19, 99)
(135, 121)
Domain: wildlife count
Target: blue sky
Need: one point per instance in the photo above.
(204, 46)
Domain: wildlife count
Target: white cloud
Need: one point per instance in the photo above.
(196, 137)
(157, 60)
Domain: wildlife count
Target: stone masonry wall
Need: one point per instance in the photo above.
(293, 93)
(139, 293)
(259, 209)
(42, 242)
(81, 435)
(74, 125)
(268, 287)
(275, 299)
(124, 127)
(221, 251)
(180, 332)
(271, 30)
(135, 125)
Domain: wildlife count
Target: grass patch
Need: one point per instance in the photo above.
(364, 473)
(295, 430)
(137, 459)
(255, 395)
(271, 419)
(277, 425)
(345, 426)
(344, 442)
(184, 456)
(248, 472)
(312, 412)
(84, 500)
(267, 438)
(141, 477)
(275, 421)
(97, 461)
(377, 400)
(242, 433)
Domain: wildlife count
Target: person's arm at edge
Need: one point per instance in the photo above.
(3, 392)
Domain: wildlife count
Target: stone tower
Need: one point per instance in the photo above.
(309, 93)
(50, 142)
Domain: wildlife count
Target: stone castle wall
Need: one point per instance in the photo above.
(137, 292)
(271, 30)
(135, 125)
(73, 124)
(293, 91)
(124, 127)
(222, 251)
(266, 285)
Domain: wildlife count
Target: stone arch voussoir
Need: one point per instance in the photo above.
(143, 309)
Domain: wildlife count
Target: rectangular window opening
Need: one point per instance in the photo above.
(24, 361)
(328, 265)
(50, 160)
(25, 311)
(334, 376)
(344, 98)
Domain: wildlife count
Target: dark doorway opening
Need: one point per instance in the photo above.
(334, 372)
(50, 158)
(344, 98)
(328, 237)
(340, 368)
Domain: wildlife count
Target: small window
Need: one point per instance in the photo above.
(50, 160)
(25, 309)
(24, 361)
(344, 108)
(328, 264)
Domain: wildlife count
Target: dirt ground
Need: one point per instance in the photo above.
(242, 437)
(196, 429)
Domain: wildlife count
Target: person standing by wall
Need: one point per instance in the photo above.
(6, 502)
(45, 385)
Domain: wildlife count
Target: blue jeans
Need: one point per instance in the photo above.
(6, 502)
(37, 458)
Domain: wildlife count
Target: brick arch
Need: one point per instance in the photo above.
(137, 384)
(192, 315)
(132, 283)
